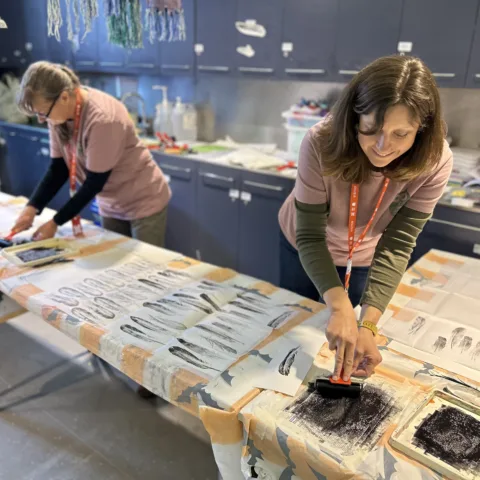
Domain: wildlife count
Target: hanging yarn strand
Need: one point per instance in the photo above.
(70, 34)
(54, 12)
(89, 9)
(165, 21)
(111, 7)
(125, 29)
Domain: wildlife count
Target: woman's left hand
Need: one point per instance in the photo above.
(367, 355)
(47, 230)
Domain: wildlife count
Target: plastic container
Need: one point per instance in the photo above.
(177, 119)
(300, 119)
(97, 220)
(295, 138)
(184, 121)
(163, 115)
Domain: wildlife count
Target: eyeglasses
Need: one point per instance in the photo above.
(46, 115)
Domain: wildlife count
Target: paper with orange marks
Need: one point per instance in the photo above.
(183, 263)
(90, 336)
(221, 275)
(405, 315)
(133, 362)
(23, 293)
(87, 250)
(265, 288)
(224, 428)
(443, 260)
(184, 388)
(407, 290)
(12, 271)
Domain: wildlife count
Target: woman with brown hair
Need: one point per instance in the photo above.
(92, 142)
(369, 177)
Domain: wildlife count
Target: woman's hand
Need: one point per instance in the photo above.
(342, 332)
(367, 355)
(25, 220)
(47, 230)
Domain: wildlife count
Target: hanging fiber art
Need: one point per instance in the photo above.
(88, 9)
(165, 21)
(124, 23)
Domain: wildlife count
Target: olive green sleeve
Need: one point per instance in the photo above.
(311, 239)
(392, 256)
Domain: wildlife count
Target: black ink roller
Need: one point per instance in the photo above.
(331, 388)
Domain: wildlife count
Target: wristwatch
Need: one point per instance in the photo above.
(369, 326)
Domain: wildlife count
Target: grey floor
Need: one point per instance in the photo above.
(65, 415)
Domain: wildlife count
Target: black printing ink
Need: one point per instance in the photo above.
(217, 344)
(440, 344)
(89, 291)
(247, 307)
(109, 280)
(476, 352)
(287, 362)
(84, 314)
(224, 327)
(158, 307)
(346, 423)
(70, 302)
(188, 357)
(452, 436)
(234, 311)
(169, 323)
(107, 303)
(465, 344)
(194, 302)
(38, 253)
(147, 325)
(103, 312)
(417, 325)
(198, 349)
(91, 282)
(152, 284)
(71, 292)
(220, 335)
(209, 300)
(457, 336)
(118, 275)
(137, 333)
(276, 322)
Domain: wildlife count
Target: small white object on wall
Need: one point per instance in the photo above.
(3, 24)
(251, 28)
(246, 51)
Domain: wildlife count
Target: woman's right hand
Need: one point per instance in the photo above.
(342, 331)
(25, 220)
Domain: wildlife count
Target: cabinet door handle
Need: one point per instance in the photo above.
(208, 68)
(265, 186)
(34, 139)
(255, 70)
(457, 225)
(477, 76)
(86, 63)
(305, 71)
(444, 75)
(176, 67)
(111, 64)
(12, 134)
(214, 176)
(142, 65)
(174, 168)
(348, 72)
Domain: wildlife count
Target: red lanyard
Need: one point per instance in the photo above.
(76, 224)
(352, 224)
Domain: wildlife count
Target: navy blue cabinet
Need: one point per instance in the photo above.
(258, 55)
(87, 54)
(35, 31)
(442, 40)
(308, 24)
(216, 36)
(182, 222)
(217, 214)
(12, 39)
(261, 197)
(177, 58)
(473, 76)
(366, 30)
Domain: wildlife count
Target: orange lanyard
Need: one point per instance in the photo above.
(76, 224)
(352, 225)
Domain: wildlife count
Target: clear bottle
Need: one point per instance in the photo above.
(177, 120)
(190, 123)
(163, 116)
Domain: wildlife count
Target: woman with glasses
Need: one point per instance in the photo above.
(369, 177)
(93, 142)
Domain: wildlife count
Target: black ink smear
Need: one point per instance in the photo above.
(157, 307)
(246, 307)
(418, 324)
(476, 352)
(84, 314)
(217, 344)
(190, 358)
(38, 253)
(89, 291)
(147, 325)
(107, 303)
(451, 436)
(224, 327)
(220, 335)
(466, 343)
(110, 280)
(152, 284)
(238, 314)
(199, 350)
(71, 292)
(346, 423)
(209, 300)
(137, 333)
(70, 302)
(276, 322)
(194, 302)
(457, 336)
(103, 312)
(286, 364)
(168, 323)
(439, 344)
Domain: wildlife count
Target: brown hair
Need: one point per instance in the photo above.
(386, 82)
(47, 81)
